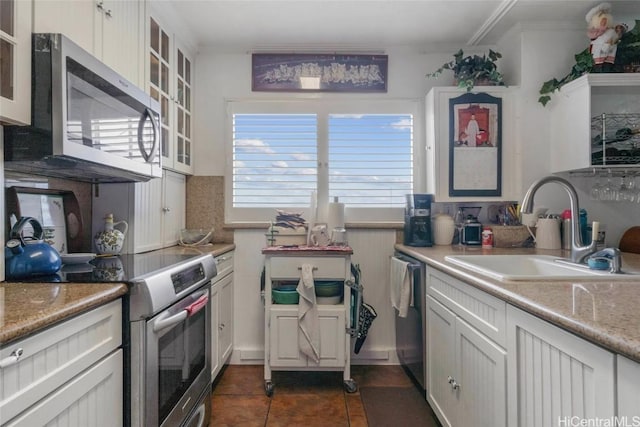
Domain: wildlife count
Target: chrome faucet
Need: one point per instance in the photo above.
(578, 251)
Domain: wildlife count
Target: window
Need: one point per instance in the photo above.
(360, 152)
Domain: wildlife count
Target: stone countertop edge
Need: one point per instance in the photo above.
(602, 312)
(30, 307)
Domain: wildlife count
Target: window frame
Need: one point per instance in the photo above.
(324, 107)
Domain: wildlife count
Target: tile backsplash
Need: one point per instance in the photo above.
(205, 206)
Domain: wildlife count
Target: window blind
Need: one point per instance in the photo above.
(275, 159)
(370, 159)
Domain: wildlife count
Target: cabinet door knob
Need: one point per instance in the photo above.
(100, 5)
(165, 209)
(108, 13)
(450, 379)
(12, 359)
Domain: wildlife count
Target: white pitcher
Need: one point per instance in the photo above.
(110, 240)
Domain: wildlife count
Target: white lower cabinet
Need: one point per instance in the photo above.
(466, 360)
(285, 351)
(69, 375)
(555, 377)
(93, 398)
(628, 388)
(222, 313)
(466, 371)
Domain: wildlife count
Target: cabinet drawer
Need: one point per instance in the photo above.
(323, 267)
(224, 265)
(51, 358)
(75, 403)
(479, 309)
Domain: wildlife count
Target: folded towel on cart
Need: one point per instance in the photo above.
(308, 323)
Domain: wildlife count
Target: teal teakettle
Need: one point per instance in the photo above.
(27, 256)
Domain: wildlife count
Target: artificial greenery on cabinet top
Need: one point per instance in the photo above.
(472, 70)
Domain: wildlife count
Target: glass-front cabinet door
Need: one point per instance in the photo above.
(183, 111)
(170, 83)
(15, 62)
(159, 78)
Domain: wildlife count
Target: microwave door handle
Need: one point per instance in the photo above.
(148, 157)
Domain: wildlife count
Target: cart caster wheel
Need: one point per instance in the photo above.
(268, 388)
(350, 386)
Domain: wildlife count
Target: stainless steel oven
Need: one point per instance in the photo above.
(170, 362)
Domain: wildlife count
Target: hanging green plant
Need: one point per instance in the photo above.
(473, 70)
(584, 64)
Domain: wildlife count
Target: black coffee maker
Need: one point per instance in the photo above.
(417, 220)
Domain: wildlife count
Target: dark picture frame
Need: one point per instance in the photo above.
(475, 145)
(274, 72)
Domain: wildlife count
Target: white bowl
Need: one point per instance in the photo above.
(77, 258)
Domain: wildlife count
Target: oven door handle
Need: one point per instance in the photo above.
(164, 322)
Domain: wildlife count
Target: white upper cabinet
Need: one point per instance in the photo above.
(576, 123)
(112, 30)
(479, 168)
(15, 66)
(170, 78)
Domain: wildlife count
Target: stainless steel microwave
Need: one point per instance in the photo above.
(88, 123)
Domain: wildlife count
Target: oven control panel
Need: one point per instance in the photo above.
(188, 277)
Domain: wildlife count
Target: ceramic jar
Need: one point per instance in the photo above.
(110, 240)
(443, 229)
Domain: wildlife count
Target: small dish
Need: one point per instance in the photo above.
(77, 258)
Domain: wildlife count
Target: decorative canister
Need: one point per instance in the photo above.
(443, 229)
(110, 240)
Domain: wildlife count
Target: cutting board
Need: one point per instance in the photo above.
(630, 241)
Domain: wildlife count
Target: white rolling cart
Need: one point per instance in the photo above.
(337, 322)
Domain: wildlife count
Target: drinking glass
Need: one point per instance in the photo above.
(609, 191)
(458, 220)
(627, 192)
(596, 190)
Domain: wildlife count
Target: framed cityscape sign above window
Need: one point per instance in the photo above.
(318, 72)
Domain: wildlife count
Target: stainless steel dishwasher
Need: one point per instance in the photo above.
(410, 330)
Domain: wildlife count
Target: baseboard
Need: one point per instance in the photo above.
(379, 356)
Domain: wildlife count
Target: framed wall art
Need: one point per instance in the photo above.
(318, 73)
(475, 145)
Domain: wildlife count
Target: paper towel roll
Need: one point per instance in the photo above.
(335, 216)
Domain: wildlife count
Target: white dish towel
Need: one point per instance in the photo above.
(308, 327)
(400, 286)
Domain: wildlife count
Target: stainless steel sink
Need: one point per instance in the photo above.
(532, 267)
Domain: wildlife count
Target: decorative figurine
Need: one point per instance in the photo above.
(604, 36)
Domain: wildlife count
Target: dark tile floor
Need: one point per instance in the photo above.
(300, 398)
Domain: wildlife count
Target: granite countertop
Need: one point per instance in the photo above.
(603, 312)
(28, 307)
